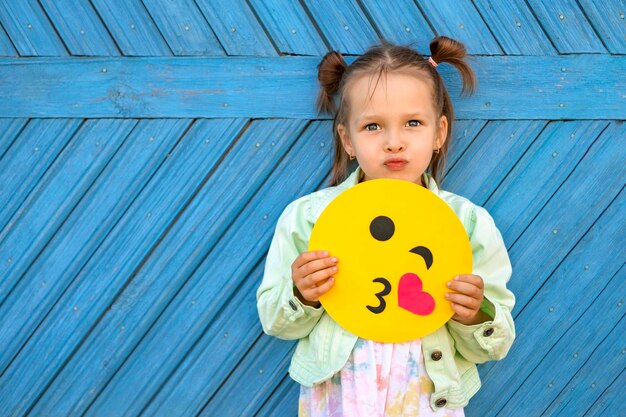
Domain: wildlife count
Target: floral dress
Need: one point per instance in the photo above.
(379, 380)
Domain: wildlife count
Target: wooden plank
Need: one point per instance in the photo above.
(255, 87)
(84, 230)
(80, 28)
(515, 27)
(28, 159)
(567, 26)
(575, 349)
(283, 401)
(560, 308)
(539, 173)
(558, 226)
(60, 190)
(463, 133)
(6, 47)
(611, 400)
(258, 374)
(604, 366)
(30, 31)
(184, 28)
(343, 24)
(237, 28)
(186, 318)
(9, 130)
(178, 254)
(490, 157)
(289, 27)
(202, 371)
(460, 20)
(131, 26)
(120, 254)
(401, 22)
(608, 20)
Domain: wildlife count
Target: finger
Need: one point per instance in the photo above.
(317, 265)
(471, 279)
(464, 301)
(462, 312)
(306, 257)
(466, 289)
(314, 293)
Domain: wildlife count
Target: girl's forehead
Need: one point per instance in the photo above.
(410, 86)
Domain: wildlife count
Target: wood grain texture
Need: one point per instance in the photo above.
(132, 28)
(80, 28)
(30, 31)
(549, 87)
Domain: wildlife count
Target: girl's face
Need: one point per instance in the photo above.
(394, 129)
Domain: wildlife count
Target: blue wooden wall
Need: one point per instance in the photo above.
(147, 148)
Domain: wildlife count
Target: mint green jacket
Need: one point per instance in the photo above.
(450, 353)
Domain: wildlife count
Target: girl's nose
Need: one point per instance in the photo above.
(394, 146)
(394, 143)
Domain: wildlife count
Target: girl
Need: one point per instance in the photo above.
(394, 116)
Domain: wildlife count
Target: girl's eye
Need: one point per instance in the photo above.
(413, 123)
(371, 126)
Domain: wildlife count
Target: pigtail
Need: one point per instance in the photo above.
(448, 50)
(329, 73)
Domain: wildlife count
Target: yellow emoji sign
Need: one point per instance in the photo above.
(398, 244)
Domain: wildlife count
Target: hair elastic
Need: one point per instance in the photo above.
(432, 62)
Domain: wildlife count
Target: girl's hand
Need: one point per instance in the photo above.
(467, 299)
(312, 274)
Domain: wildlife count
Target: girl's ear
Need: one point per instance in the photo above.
(442, 132)
(344, 135)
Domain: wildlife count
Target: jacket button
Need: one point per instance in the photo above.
(436, 355)
(293, 305)
(488, 332)
(441, 402)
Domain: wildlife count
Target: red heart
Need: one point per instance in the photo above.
(412, 298)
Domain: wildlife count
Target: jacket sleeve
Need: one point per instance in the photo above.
(280, 311)
(490, 340)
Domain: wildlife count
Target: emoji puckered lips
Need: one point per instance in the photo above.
(398, 244)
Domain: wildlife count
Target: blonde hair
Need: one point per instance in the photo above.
(334, 75)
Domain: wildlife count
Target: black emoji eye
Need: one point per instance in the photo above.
(382, 228)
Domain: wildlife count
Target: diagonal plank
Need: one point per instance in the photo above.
(65, 183)
(143, 299)
(6, 47)
(548, 88)
(10, 129)
(132, 28)
(343, 24)
(237, 28)
(591, 381)
(608, 19)
(26, 161)
(403, 23)
(559, 307)
(490, 157)
(203, 370)
(515, 27)
(80, 27)
(184, 28)
(115, 260)
(611, 400)
(566, 25)
(289, 27)
(460, 20)
(73, 244)
(539, 173)
(30, 30)
(205, 294)
(557, 227)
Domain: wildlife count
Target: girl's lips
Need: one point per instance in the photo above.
(396, 163)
